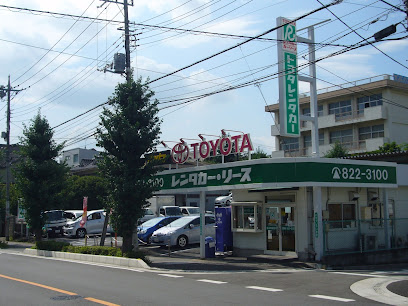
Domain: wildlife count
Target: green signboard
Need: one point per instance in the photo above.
(261, 172)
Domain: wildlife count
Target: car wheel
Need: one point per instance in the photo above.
(182, 241)
(149, 239)
(81, 232)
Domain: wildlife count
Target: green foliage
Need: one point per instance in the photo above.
(94, 187)
(94, 250)
(51, 245)
(3, 245)
(39, 177)
(337, 151)
(390, 147)
(128, 130)
(259, 153)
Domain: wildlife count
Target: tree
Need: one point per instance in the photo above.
(39, 177)
(337, 151)
(390, 147)
(259, 153)
(94, 187)
(128, 131)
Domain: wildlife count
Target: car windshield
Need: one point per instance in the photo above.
(54, 215)
(151, 222)
(173, 211)
(194, 211)
(181, 222)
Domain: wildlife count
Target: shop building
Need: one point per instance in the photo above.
(309, 207)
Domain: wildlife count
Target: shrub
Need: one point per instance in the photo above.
(3, 245)
(94, 250)
(50, 245)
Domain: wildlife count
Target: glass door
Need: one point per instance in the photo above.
(280, 229)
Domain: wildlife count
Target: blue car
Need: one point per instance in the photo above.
(146, 229)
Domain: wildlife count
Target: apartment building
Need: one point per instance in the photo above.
(74, 157)
(361, 115)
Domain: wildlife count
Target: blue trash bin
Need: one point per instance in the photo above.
(209, 247)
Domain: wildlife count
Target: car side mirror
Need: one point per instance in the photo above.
(191, 226)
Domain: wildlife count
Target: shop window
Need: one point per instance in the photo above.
(342, 215)
(247, 217)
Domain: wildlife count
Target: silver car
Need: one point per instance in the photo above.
(184, 231)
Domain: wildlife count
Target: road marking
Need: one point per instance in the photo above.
(376, 289)
(38, 285)
(210, 281)
(358, 274)
(171, 275)
(56, 289)
(333, 298)
(264, 288)
(100, 302)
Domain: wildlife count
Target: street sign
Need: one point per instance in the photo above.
(21, 214)
(288, 79)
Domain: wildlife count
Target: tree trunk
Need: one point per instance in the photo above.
(38, 234)
(127, 244)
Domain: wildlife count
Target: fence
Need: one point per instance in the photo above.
(358, 236)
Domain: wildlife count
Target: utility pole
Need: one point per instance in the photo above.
(128, 71)
(7, 137)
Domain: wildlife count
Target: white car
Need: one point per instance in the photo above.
(93, 225)
(190, 210)
(184, 231)
(223, 200)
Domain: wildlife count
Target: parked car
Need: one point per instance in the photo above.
(72, 214)
(170, 211)
(184, 231)
(223, 200)
(93, 225)
(54, 222)
(146, 229)
(190, 210)
(147, 216)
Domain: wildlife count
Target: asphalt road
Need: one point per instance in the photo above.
(28, 280)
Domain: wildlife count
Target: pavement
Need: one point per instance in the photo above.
(188, 260)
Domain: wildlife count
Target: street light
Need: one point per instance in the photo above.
(203, 138)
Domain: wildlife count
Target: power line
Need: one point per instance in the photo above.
(327, 8)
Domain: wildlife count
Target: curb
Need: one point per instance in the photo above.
(118, 261)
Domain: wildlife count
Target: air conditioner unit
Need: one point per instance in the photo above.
(373, 196)
(353, 196)
(369, 242)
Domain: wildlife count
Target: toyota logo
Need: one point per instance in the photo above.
(180, 153)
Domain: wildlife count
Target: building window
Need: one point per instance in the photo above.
(247, 217)
(68, 157)
(367, 132)
(345, 137)
(341, 109)
(307, 140)
(76, 158)
(306, 111)
(289, 144)
(368, 101)
(342, 215)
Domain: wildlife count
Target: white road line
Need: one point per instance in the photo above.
(376, 289)
(210, 281)
(333, 298)
(171, 275)
(358, 274)
(264, 288)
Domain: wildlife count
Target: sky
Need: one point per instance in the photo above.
(57, 60)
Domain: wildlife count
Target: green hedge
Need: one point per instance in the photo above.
(3, 245)
(50, 245)
(92, 250)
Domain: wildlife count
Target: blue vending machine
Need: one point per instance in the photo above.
(223, 231)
